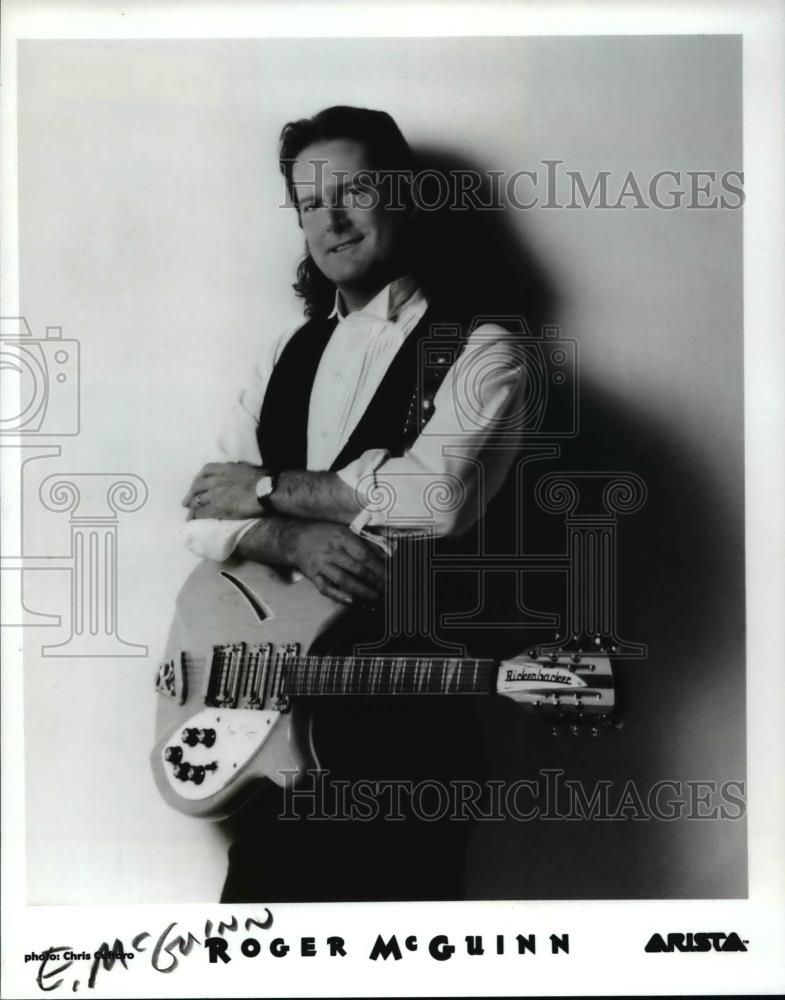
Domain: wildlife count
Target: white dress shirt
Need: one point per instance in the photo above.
(456, 465)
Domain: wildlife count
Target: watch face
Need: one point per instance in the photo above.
(264, 487)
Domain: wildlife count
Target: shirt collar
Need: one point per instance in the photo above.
(385, 305)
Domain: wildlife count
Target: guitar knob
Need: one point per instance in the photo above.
(183, 772)
(173, 755)
(197, 774)
(206, 736)
(190, 737)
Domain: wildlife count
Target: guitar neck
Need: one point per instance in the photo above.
(258, 676)
(261, 676)
(315, 676)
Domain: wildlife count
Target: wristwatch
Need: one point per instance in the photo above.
(264, 488)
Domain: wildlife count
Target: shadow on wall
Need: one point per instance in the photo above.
(680, 592)
(475, 259)
(680, 573)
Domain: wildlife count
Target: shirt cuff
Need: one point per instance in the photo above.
(360, 476)
(210, 538)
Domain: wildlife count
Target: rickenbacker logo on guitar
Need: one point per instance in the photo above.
(700, 941)
(553, 677)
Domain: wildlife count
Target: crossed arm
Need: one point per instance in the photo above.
(309, 534)
(440, 485)
(226, 490)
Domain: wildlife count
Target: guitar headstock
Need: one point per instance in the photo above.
(573, 691)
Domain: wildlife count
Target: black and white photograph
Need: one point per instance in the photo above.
(392, 482)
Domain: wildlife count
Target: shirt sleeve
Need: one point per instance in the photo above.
(210, 538)
(443, 483)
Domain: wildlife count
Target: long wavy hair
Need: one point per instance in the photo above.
(388, 151)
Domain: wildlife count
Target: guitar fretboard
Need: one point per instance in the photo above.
(257, 676)
(387, 675)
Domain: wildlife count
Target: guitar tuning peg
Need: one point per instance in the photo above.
(595, 731)
(555, 729)
(574, 730)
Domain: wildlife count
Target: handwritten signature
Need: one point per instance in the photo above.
(164, 952)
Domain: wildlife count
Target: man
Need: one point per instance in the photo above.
(335, 452)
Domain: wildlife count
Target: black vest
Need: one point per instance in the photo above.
(396, 414)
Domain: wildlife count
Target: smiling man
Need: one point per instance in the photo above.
(341, 413)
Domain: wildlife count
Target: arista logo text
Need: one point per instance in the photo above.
(702, 941)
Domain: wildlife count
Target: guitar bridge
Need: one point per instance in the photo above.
(171, 679)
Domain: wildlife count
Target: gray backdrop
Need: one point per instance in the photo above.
(150, 229)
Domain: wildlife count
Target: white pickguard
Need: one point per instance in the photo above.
(239, 734)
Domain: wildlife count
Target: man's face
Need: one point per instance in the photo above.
(353, 239)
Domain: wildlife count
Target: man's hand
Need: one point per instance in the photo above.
(225, 490)
(341, 565)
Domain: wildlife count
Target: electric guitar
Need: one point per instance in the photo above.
(238, 674)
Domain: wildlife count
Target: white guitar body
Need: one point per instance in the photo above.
(213, 610)
(238, 661)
